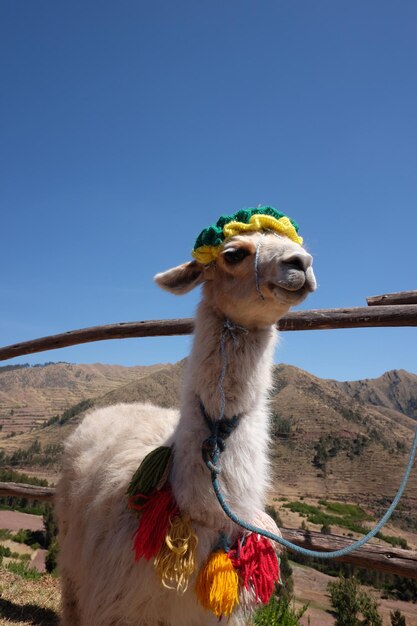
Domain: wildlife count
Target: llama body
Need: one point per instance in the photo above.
(102, 583)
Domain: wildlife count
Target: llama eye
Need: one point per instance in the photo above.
(235, 256)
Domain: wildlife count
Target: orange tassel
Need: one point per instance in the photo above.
(217, 585)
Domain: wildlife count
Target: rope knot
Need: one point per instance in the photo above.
(213, 446)
(211, 450)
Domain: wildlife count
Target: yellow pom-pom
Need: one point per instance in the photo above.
(217, 586)
(175, 561)
(206, 254)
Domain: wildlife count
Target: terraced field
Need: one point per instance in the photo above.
(31, 396)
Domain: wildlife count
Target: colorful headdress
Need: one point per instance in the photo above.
(211, 239)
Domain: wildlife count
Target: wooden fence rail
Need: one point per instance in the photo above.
(371, 556)
(320, 319)
(400, 297)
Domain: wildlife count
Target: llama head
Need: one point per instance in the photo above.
(252, 266)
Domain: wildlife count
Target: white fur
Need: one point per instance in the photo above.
(101, 582)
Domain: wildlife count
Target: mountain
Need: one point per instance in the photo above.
(330, 439)
(394, 390)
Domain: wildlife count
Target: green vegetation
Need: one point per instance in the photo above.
(33, 538)
(10, 475)
(281, 426)
(351, 415)
(23, 570)
(349, 510)
(401, 588)
(279, 612)
(51, 541)
(353, 607)
(70, 413)
(9, 368)
(399, 542)
(329, 446)
(34, 455)
(397, 618)
(5, 551)
(5, 534)
(348, 516)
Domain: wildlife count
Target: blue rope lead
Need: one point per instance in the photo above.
(291, 546)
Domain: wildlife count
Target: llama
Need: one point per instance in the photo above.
(252, 268)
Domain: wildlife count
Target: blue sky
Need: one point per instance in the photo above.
(126, 127)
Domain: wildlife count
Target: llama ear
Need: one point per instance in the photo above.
(181, 279)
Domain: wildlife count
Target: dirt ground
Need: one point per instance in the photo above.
(310, 587)
(14, 521)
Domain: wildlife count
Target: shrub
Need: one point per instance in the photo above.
(397, 618)
(51, 557)
(279, 612)
(5, 551)
(353, 607)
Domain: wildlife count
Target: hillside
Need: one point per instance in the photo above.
(394, 390)
(341, 440)
(29, 396)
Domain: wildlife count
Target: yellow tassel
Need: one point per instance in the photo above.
(217, 586)
(175, 561)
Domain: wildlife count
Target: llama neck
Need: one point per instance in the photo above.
(246, 382)
(244, 357)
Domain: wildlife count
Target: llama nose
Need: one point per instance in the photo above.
(298, 260)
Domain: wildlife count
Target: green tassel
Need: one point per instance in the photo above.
(152, 473)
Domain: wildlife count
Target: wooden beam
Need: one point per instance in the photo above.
(401, 297)
(21, 490)
(371, 556)
(360, 317)
(320, 319)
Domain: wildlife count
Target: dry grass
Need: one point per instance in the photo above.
(28, 602)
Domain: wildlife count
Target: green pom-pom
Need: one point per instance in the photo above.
(151, 472)
(211, 236)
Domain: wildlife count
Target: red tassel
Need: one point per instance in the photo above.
(157, 510)
(257, 565)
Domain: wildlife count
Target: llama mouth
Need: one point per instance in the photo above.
(283, 291)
